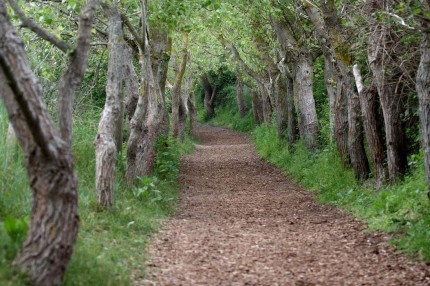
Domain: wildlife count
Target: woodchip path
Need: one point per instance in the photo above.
(242, 222)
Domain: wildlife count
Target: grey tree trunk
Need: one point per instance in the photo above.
(305, 103)
(75, 71)
(391, 99)
(240, 95)
(256, 106)
(368, 102)
(209, 95)
(145, 131)
(423, 90)
(282, 106)
(265, 100)
(291, 111)
(330, 35)
(192, 109)
(161, 48)
(179, 112)
(341, 125)
(330, 80)
(44, 257)
(131, 87)
(105, 143)
(357, 153)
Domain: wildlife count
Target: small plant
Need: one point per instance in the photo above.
(16, 228)
(147, 189)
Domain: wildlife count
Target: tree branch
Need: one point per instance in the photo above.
(36, 28)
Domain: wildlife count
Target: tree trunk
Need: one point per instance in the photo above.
(330, 80)
(369, 106)
(305, 103)
(391, 100)
(240, 95)
(359, 161)
(178, 106)
(191, 104)
(54, 221)
(144, 133)
(105, 145)
(256, 106)
(423, 90)
(282, 106)
(291, 113)
(347, 119)
(72, 77)
(341, 125)
(209, 96)
(265, 100)
(160, 56)
(131, 87)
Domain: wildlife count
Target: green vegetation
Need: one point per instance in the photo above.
(111, 242)
(226, 111)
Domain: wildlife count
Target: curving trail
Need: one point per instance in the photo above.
(242, 222)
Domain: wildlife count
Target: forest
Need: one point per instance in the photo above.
(110, 110)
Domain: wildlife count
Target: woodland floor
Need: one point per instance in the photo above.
(242, 222)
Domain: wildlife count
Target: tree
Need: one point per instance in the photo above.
(382, 55)
(54, 219)
(332, 41)
(179, 109)
(295, 48)
(111, 120)
(78, 56)
(423, 90)
(147, 119)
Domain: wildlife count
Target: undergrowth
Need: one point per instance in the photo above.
(111, 242)
(402, 208)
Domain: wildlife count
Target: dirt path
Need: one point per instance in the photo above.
(242, 222)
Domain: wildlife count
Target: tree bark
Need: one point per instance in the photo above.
(304, 101)
(328, 30)
(105, 145)
(75, 71)
(179, 112)
(357, 153)
(390, 96)
(192, 112)
(257, 109)
(131, 87)
(265, 100)
(291, 111)
(369, 106)
(209, 96)
(240, 95)
(161, 48)
(282, 106)
(330, 80)
(54, 221)
(423, 90)
(144, 131)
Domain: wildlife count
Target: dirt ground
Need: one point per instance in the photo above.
(242, 222)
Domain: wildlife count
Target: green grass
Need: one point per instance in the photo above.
(229, 118)
(402, 208)
(112, 242)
